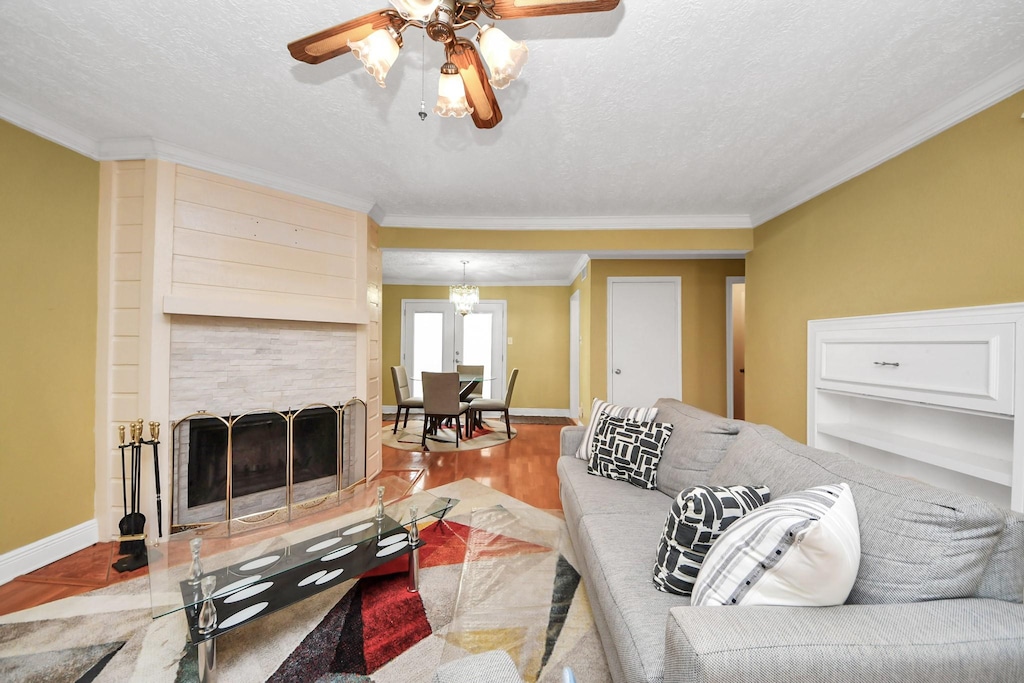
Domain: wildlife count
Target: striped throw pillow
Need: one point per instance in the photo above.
(698, 516)
(802, 550)
(599, 407)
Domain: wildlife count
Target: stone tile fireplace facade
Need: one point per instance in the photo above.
(266, 369)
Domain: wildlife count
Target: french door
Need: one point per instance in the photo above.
(437, 339)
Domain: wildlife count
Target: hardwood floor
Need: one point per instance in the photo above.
(523, 468)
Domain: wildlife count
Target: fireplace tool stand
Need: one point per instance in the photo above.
(133, 524)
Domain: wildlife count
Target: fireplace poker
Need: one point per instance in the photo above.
(124, 475)
(154, 441)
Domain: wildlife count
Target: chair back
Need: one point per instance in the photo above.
(441, 393)
(511, 386)
(477, 370)
(401, 379)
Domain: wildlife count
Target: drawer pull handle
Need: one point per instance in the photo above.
(894, 365)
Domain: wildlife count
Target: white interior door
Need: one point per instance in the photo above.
(574, 355)
(644, 340)
(436, 339)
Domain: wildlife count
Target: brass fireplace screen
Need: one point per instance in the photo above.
(265, 466)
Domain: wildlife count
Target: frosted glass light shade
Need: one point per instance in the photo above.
(416, 9)
(451, 97)
(377, 51)
(505, 57)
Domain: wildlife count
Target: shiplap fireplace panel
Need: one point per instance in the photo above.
(198, 263)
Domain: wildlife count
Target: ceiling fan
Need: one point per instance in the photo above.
(464, 86)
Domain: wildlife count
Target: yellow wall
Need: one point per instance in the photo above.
(538, 322)
(703, 323)
(940, 226)
(49, 199)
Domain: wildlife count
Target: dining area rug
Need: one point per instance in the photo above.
(368, 630)
(409, 438)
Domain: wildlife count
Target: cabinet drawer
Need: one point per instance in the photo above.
(961, 366)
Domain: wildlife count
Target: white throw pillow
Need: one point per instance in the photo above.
(802, 549)
(599, 406)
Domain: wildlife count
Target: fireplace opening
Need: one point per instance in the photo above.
(259, 452)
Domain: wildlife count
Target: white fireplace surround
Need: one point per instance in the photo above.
(229, 366)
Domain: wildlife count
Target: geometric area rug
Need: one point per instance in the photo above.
(363, 630)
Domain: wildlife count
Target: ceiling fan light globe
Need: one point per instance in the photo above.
(505, 57)
(416, 9)
(378, 52)
(451, 97)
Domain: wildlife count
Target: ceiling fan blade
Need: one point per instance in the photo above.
(333, 41)
(519, 9)
(474, 77)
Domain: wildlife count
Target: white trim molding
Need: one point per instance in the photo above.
(1000, 86)
(46, 550)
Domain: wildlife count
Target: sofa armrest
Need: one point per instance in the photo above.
(943, 640)
(571, 439)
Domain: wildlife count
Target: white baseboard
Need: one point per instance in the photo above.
(50, 549)
(539, 412)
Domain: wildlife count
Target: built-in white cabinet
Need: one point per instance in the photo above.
(931, 395)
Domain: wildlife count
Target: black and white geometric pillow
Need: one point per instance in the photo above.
(600, 408)
(628, 450)
(697, 517)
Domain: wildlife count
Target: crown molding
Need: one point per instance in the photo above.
(34, 122)
(1001, 85)
(117, 149)
(581, 263)
(707, 222)
(151, 148)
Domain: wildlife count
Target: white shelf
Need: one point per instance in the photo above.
(950, 416)
(963, 461)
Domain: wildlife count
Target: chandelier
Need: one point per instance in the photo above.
(464, 86)
(464, 296)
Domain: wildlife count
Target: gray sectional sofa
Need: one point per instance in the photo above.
(937, 598)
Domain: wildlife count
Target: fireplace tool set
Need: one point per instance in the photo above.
(133, 525)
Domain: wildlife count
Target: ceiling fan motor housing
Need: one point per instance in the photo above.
(440, 28)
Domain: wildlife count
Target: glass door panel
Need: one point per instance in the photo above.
(436, 339)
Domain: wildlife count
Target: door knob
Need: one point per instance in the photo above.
(618, 372)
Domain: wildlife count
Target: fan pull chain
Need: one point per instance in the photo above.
(423, 79)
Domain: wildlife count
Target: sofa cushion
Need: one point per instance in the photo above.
(801, 550)
(697, 518)
(597, 409)
(627, 450)
(918, 542)
(583, 493)
(699, 441)
(619, 550)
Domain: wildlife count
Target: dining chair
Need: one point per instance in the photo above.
(481, 405)
(403, 395)
(476, 371)
(441, 401)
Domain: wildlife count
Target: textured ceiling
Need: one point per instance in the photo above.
(661, 113)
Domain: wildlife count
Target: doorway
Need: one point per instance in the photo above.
(645, 349)
(437, 339)
(735, 345)
(574, 355)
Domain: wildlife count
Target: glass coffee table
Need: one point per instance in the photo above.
(223, 578)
